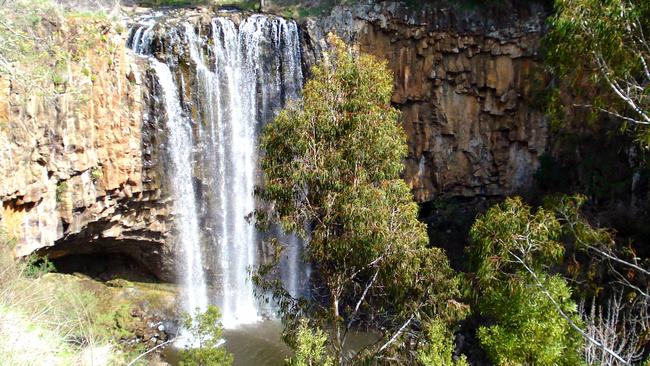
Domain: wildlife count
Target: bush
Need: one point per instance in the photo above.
(310, 347)
(439, 347)
(205, 330)
(36, 267)
(513, 250)
(528, 328)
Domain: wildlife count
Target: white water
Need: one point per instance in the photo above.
(243, 75)
(180, 151)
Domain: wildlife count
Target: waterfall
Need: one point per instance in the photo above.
(241, 76)
(180, 151)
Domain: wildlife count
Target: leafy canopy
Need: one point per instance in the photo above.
(605, 42)
(513, 250)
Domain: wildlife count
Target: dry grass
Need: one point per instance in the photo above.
(44, 323)
(43, 41)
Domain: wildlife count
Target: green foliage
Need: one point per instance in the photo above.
(40, 40)
(333, 163)
(205, 330)
(96, 173)
(574, 225)
(18, 39)
(310, 347)
(251, 5)
(589, 273)
(508, 229)
(302, 10)
(7, 242)
(115, 325)
(61, 189)
(439, 347)
(512, 250)
(603, 44)
(36, 266)
(554, 109)
(594, 27)
(63, 316)
(528, 328)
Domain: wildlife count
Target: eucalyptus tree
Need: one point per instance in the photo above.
(606, 42)
(332, 168)
(531, 310)
(517, 253)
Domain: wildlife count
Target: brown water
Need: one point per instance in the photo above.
(258, 344)
(261, 344)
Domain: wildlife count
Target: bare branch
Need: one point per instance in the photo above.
(618, 328)
(616, 88)
(356, 308)
(612, 113)
(618, 260)
(150, 350)
(394, 337)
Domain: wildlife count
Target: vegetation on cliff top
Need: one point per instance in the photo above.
(42, 45)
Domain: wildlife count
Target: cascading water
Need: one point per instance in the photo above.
(180, 152)
(240, 77)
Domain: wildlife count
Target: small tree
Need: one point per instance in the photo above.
(205, 330)
(512, 251)
(332, 164)
(310, 347)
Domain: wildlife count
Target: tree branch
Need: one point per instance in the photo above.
(149, 351)
(565, 316)
(394, 337)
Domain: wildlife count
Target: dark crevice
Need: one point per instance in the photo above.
(104, 267)
(107, 259)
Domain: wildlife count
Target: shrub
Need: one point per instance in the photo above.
(439, 347)
(36, 266)
(310, 347)
(205, 350)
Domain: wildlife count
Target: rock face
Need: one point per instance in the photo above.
(76, 168)
(463, 80)
(80, 172)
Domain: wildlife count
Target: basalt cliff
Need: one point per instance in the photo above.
(83, 172)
